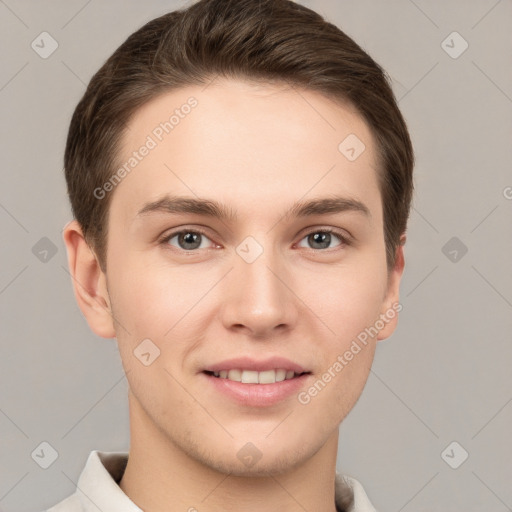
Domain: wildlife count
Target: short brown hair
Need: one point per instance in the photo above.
(264, 40)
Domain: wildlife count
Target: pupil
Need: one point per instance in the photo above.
(190, 239)
(322, 238)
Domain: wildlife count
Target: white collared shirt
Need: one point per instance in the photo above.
(98, 488)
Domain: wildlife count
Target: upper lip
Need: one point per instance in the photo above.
(248, 363)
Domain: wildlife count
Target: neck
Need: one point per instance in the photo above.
(161, 476)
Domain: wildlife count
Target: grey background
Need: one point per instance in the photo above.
(444, 375)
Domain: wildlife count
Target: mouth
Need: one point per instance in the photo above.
(256, 383)
(256, 377)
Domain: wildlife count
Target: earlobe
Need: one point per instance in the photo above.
(89, 282)
(391, 305)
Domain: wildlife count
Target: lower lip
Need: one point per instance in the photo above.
(257, 395)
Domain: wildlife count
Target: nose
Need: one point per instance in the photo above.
(259, 297)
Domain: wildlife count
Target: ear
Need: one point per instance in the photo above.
(391, 305)
(89, 282)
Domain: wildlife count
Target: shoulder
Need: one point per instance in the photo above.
(351, 496)
(97, 487)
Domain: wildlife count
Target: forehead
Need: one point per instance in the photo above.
(250, 145)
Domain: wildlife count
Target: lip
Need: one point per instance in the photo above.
(247, 363)
(256, 395)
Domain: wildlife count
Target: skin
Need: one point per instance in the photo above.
(257, 149)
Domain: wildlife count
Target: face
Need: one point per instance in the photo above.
(244, 269)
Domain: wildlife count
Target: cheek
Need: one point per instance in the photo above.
(349, 306)
(147, 303)
(155, 302)
(150, 299)
(333, 394)
(349, 300)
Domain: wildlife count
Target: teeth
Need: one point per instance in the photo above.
(267, 377)
(235, 375)
(280, 375)
(249, 377)
(254, 377)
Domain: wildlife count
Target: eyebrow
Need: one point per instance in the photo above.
(212, 208)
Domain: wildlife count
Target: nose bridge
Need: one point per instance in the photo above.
(258, 278)
(261, 300)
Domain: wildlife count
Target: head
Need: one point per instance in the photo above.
(249, 112)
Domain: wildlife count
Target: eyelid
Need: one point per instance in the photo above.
(346, 238)
(184, 229)
(342, 233)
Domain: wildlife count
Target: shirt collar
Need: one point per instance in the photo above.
(98, 487)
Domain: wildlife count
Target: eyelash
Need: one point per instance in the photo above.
(345, 241)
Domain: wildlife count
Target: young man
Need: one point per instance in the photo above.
(241, 178)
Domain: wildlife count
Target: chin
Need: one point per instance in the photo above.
(272, 464)
(254, 456)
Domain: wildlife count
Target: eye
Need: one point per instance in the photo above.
(322, 238)
(193, 239)
(187, 240)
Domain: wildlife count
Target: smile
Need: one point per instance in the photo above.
(255, 377)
